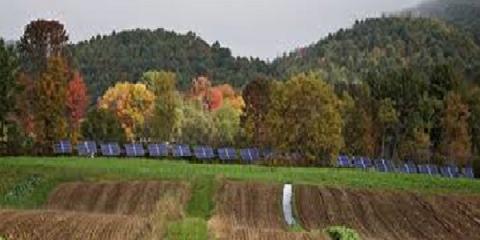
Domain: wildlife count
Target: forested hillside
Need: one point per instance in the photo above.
(463, 13)
(386, 44)
(105, 60)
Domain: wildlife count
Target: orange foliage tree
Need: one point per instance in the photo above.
(77, 100)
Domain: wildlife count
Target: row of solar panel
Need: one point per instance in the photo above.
(89, 148)
(383, 165)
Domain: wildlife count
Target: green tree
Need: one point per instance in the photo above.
(102, 125)
(165, 115)
(196, 125)
(8, 86)
(50, 104)
(227, 123)
(304, 117)
(387, 117)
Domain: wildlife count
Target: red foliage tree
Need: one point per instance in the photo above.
(77, 101)
(215, 99)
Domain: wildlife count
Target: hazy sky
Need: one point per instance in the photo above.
(263, 28)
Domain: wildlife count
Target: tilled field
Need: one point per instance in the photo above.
(61, 225)
(103, 211)
(138, 198)
(251, 211)
(389, 215)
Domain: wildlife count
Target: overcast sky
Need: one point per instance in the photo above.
(263, 28)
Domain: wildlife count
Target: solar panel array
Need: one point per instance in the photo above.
(62, 147)
(382, 165)
(110, 149)
(250, 155)
(227, 154)
(158, 150)
(87, 148)
(134, 150)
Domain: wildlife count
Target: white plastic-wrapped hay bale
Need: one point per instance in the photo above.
(287, 204)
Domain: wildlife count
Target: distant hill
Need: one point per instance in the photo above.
(463, 13)
(124, 56)
(384, 44)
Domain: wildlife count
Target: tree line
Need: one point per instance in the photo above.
(408, 111)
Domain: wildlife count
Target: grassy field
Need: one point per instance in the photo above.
(108, 168)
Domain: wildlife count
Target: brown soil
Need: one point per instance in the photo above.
(116, 210)
(61, 225)
(389, 215)
(251, 211)
(132, 198)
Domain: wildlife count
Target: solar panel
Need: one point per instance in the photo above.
(249, 154)
(468, 172)
(408, 167)
(449, 171)
(134, 150)
(362, 162)
(87, 148)
(62, 147)
(227, 154)
(181, 151)
(383, 165)
(203, 152)
(429, 169)
(158, 150)
(110, 149)
(343, 161)
(266, 153)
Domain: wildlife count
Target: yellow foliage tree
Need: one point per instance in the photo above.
(304, 117)
(131, 103)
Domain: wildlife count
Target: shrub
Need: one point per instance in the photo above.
(342, 233)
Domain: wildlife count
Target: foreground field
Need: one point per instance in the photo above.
(76, 198)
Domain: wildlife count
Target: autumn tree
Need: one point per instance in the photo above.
(8, 85)
(359, 127)
(77, 101)
(165, 116)
(415, 146)
(214, 99)
(132, 104)
(456, 141)
(196, 125)
(474, 120)
(304, 118)
(253, 120)
(50, 104)
(102, 125)
(41, 40)
(227, 124)
(199, 90)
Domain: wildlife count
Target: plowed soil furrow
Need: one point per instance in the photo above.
(33, 225)
(246, 211)
(132, 198)
(388, 214)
